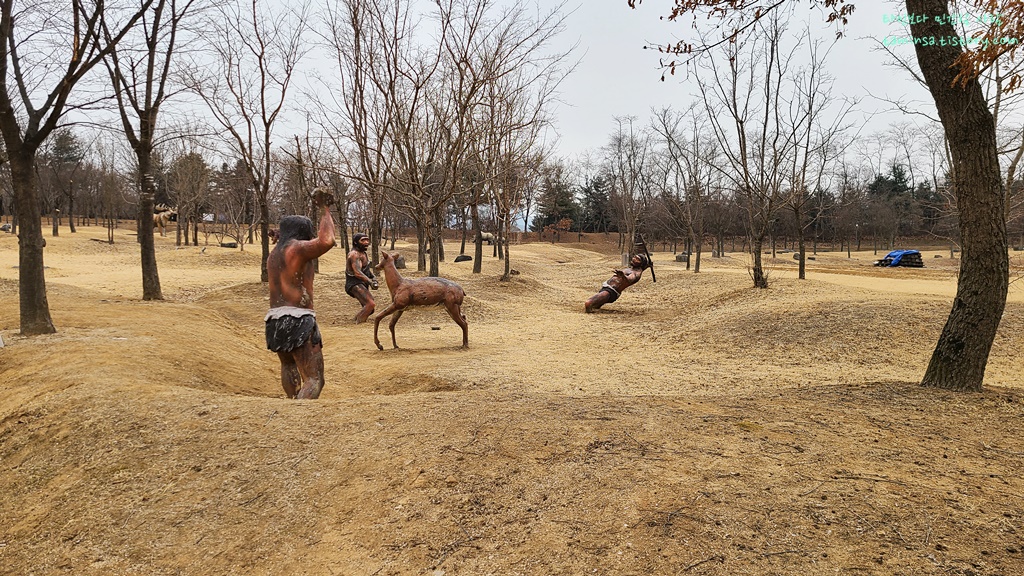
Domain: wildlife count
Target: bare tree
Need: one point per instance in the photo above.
(817, 121)
(950, 73)
(627, 161)
(358, 29)
(691, 160)
(188, 183)
(520, 81)
(256, 52)
(745, 94)
(63, 156)
(47, 50)
(140, 69)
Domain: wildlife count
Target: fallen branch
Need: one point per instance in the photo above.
(643, 448)
(721, 559)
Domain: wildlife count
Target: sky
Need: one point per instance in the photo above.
(617, 77)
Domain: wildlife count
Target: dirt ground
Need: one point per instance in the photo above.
(696, 426)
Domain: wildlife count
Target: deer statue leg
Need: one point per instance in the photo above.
(455, 311)
(391, 325)
(376, 324)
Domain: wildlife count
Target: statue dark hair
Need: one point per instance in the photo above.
(296, 228)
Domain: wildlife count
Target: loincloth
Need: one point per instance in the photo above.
(289, 327)
(613, 293)
(353, 281)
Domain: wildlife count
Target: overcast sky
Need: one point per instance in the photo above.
(616, 77)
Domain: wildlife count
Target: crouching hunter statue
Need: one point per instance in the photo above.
(291, 326)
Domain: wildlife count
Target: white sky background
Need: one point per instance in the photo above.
(617, 77)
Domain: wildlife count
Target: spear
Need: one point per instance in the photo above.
(638, 240)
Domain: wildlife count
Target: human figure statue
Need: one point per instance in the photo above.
(359, 276)
(291, 326)
(612, 289)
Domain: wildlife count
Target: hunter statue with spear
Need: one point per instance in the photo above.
(612, 289)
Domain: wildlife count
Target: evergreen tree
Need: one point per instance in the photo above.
(595, 213)
(556, 201)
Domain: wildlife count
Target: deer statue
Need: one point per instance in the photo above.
(164, 214)
(406, 292)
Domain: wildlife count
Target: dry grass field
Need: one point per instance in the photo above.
(696, 426)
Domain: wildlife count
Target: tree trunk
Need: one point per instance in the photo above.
(14, 213)
(478, 241)
(71, 207)
(504, 230)
(436, 238)
(34, 308)
(265, 239)
(465, 226)
(757, 272)
(961, 354)
(421, 245)
(150, 276)
(800, 243)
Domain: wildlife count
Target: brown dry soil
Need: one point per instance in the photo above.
(696, 426)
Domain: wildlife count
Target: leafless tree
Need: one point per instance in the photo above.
(188, 183)
(745, 92)
(362, 38)
(817, 120)
(47, 50)
(62, 158)
(691, 156)
(256, 49)
(628, 159)
(140, 68)
(520, 81)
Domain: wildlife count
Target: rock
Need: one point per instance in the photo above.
(400, 261)
(463, 258)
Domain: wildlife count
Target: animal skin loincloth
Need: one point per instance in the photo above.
(290, 327)
(611, 291)
(351, 281)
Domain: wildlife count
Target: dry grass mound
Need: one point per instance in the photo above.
(696, 426)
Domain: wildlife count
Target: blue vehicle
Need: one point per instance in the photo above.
(908, 258)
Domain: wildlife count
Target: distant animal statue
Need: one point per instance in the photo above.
(164, 214)
(487, 237)
(406, 292)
